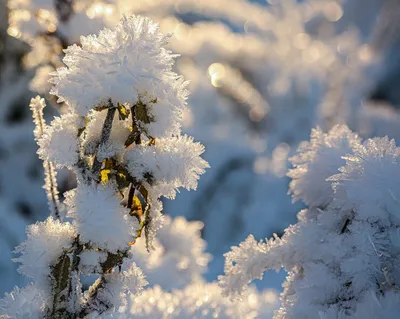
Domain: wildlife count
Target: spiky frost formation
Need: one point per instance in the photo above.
(316, 161)
(241, 274)
(155, 213)
(342, 258)
(118, 286)
(91, 261)
(37, 105)
(172, 162)
(25, 303)
(178, 250)
(99, 218)
(115, 146)
(374, 168)
(59, 144)
(46, 242)
(125, 64)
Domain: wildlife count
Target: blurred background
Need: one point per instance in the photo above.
(262, 75)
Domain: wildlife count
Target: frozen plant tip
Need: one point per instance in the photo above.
(121, 137)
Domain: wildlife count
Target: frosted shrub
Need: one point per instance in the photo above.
(342, 255)
(121, 137)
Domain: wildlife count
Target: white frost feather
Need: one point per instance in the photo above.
(46, 242)
(59, 143)
(99, 218)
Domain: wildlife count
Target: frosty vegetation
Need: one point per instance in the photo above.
(121, 137)
(251, 65)
(261, 77)
(343, 254)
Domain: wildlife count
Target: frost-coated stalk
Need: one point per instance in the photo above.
(343, 254)
(37, 105)
(121, 137)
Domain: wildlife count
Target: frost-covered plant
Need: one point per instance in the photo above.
(343, 254)
(121, 137)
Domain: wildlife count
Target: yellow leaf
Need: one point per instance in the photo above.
(104, 175)
(137, 206)
(123, 112)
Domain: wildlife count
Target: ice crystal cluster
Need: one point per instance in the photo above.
(121, 137)
(343, 254)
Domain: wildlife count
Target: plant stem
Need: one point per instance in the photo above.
(105, 136)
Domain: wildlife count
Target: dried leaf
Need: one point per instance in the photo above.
(123, 112)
